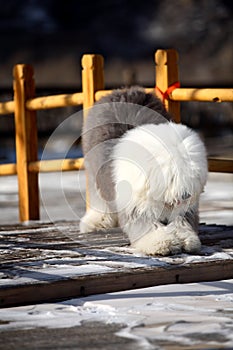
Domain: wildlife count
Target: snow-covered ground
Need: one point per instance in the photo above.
(188, 316)
(63, 198)
(197, 315)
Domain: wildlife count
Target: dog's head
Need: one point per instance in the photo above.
(164, 165)
(180, 168)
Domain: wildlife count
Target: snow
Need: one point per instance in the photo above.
(175, 313)
(63, 198)
(47, 273)
(188, 314)
(52, 264)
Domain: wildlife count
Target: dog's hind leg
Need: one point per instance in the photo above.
(99, 215)
(95, 220)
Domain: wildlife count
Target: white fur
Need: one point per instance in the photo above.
(98, 216)
(168, 239)
(160, 162)
(159, 172)
(159, 240)
(96, 220)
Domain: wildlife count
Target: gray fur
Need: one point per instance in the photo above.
(106, 122)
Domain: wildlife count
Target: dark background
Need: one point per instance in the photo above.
(52, 35)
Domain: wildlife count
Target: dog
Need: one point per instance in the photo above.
(145, 173)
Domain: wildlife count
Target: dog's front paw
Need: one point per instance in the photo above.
(158, 242)
(189, 239)
(191, 244)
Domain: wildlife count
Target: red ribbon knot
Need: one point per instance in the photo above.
(165, 95)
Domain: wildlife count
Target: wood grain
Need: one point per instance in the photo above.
(27, 248)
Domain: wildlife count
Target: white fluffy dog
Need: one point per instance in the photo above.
(145, 173)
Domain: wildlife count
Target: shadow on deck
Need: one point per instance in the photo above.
(43, 262)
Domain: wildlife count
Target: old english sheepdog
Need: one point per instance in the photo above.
(145, 173)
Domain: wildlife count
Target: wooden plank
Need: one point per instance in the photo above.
(29, 249)
(54, 101)
(113, 282)
(65, 234)
(26, 143)
(204, 94)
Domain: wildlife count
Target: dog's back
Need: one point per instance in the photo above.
(107, 121)
(118, 112)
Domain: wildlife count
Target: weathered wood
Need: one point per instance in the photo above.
(29, 249)
(114, 282)
(55, 101)
(166, 75)
(26, 143)
(56, 165)
(204, 94)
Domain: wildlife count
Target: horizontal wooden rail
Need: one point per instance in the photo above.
(208, 95)
(55, 101)
(188, 94)
(45, 102)
(215, 165)
(101, 93)
(64, 100)
(56, 165)
(45, 166)
(223, 165)
(8, 169)
(7, 107)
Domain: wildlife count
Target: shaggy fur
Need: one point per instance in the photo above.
(145, 173)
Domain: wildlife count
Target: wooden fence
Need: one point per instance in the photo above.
(25, 105)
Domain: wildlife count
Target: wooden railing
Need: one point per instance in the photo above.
(25, 105)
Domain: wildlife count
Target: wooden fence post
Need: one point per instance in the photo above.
(92, 81)
(26, 143)
(166, 76)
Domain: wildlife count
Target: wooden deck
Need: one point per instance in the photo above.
(43, 262)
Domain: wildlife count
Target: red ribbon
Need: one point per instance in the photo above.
(165, 95)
